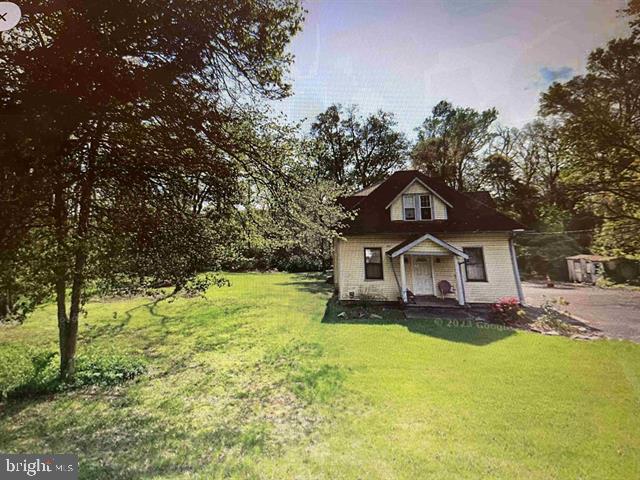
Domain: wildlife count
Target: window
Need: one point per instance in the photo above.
(373, 264)
(425, 207)
(409, 205)
(475, 265)
(417, 207)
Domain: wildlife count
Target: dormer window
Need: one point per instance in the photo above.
(425, 207)
(417, 207)
(409, 204)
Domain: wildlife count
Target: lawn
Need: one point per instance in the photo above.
(263, 380)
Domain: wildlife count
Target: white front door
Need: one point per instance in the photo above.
(422, 276)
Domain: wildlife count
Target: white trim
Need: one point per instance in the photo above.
(437, 241)
(403, 280)
(516, 272)
(460, 293)
(425, 186)
(433, 277)
(426, 254)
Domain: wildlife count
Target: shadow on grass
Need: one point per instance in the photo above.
(124, 443)
(454, 325)
(314, 282)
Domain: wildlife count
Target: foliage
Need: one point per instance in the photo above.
(356, 152)
(544, 252)
(121, 133)
(35, 372)
(524, 167)
(552, 318)
(450, 143)
(23, 285)
(600, 115)
(507, 310)
(201, 283)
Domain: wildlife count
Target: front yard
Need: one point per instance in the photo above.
(261, 380)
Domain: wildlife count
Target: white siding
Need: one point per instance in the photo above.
(351, 255)
(350, 268)
(439, 209)
(428, 246)
(501, 281)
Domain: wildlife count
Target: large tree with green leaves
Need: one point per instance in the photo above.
(121, 123)
(450, 144)
(355, 151)
(600, 116)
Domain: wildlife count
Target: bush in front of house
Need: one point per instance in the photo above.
(507, 311)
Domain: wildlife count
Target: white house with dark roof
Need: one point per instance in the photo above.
(416, 240)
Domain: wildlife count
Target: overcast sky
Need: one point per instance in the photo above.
(405, 56)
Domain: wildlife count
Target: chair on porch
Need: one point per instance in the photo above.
(411, 298)
(445, 288)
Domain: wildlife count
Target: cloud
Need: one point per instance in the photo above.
(550, 75)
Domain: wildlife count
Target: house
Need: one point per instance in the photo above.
(586, 268)
(413, 237)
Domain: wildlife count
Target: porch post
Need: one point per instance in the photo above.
(461, 299)
(403, 280)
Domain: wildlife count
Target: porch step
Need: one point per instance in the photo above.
(431, 301)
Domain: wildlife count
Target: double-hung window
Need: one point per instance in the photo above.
(417, 207)
(409, 206)
(373, 264)
(475, 268)
(425, 207)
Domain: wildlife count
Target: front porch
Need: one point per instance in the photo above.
(426, 265)
(431, 301)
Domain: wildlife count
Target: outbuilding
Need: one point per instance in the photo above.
(586, 268)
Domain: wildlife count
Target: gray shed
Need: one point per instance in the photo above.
(585, 268)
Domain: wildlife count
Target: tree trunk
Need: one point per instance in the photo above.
(60, 213)
(68, 325)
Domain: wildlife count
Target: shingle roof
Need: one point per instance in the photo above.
(467, 214)
(482, 196)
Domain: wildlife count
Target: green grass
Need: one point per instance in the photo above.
(263, 380)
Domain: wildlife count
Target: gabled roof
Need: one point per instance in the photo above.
(418, 239)
(466, 214)
(591, 258)
(418, 180)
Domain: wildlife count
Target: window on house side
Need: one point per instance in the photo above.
(373, 264)
(475, 268)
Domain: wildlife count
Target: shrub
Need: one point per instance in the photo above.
(107, 369)
(26, 372)
(552, 318)
(507, 310)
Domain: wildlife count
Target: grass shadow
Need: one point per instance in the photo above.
(314, 282)
(458, 326)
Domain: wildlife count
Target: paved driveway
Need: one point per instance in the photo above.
(614, 311)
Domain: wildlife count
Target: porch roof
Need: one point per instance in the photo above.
(414, 241)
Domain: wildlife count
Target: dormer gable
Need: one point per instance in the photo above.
(379, 209)
(418, 202)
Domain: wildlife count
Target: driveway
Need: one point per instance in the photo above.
(615, 312)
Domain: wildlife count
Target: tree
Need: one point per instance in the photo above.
(600, 117)
(524, 167)
(450, 144)
(110, 113)
(357, 152)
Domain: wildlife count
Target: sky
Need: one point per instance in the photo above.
(406, 56)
